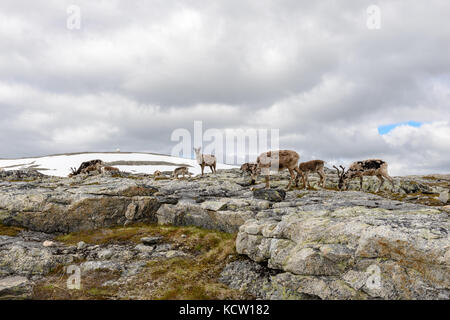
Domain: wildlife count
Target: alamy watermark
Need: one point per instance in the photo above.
(74, 280)
(73, 21)
(373, 17)
(231, 146)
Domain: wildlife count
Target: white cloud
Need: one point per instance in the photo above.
(134, 73)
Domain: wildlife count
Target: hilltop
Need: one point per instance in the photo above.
(217, 236)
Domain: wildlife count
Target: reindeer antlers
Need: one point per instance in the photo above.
(340, 174)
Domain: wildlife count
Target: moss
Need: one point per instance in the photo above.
(54, 286)
(192, 277)
(9, 231)
(191, 236)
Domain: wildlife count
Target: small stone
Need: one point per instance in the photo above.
(105, 254)
(163, 247)
(81, 245)
(144, 248)
(443, 197)
(183, 236)
(274, 195)
(48, 243)
(174, 253)
(150, 240)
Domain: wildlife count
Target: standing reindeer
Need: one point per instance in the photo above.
(312, 166)
(278, 160)
(371, 167)
(205, 160)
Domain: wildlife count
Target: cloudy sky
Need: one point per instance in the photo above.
(137, 70)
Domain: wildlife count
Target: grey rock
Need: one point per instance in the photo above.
(105, 254)
(144, 248)
(150, 240)
(327, 252)
(81, 245)
(15, 287)
(274, 195)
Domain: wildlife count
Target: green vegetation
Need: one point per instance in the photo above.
(9, 231)
(192, 277)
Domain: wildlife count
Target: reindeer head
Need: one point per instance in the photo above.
(342, 177)
(73, 172)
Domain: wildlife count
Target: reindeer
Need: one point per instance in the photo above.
(108, 169)
(205, 160)
(181, 170)
(87, 167)
(312, 166)
(278, 160)
(248, 168)
(371, 167)
(157, 173)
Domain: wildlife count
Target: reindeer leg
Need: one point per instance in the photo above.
(267, 182)
(304, 180)
(307, 180)
(203, 168)
(382, 182)
(291, 172)
(322, 178)
(298, 175)
(361, 182)
(390, 180)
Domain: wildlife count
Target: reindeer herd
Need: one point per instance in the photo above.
(288, 159)
(271, 161)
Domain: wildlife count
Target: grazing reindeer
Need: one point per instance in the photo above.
(157, 173)
(312, 166)
(371, 167)
(278, 160)
(205, 160)
(249, 168)
(86, 167)
(181, 170)
(73, 172)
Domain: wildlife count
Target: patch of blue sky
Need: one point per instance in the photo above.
(389, 127)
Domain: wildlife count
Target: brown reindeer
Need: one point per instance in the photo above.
(205, 160)
(312, 166)
(87, 167)
(181, 170)
(108, 169)
(277, 161)
(157, 173)
(249, 168)
(371, 167)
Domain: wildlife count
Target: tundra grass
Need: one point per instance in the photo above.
(191, 277)
(9, 231)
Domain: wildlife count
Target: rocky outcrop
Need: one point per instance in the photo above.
(356, 252)
(68, 205)
(299, 244)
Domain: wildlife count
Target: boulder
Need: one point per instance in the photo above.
(334, 254)
(273, 195)
(15, 287)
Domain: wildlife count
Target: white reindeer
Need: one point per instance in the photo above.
(205, 160)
